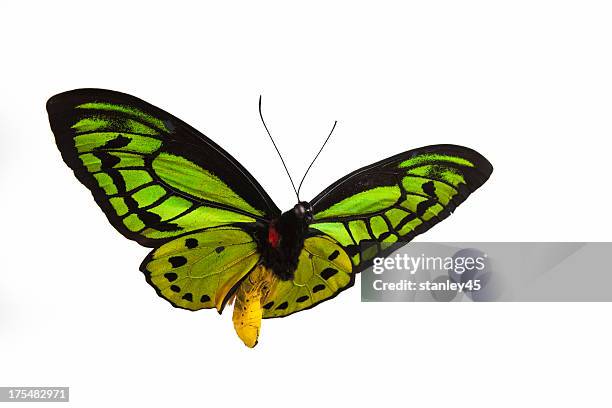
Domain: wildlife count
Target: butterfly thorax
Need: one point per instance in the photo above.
(282, 240)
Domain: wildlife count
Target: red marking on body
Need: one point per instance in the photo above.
(273, 236)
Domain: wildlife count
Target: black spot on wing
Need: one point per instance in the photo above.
(188, 297)
(171, 276)
(429, 188)
(219, 249)
(204, 299)
(191, 243)
(301, 299)
(177, 261)
(318, 288)
(116, 143)
(333, 255)
(175, 289)
(282, 306)
(328, 273)
(268, 305)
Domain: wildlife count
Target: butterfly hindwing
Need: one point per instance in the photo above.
(372, 210)
(324, 269)
(200, 270)
(154, 176)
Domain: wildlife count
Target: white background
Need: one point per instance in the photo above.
(526, 83)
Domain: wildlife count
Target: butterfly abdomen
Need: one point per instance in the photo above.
(250, 297)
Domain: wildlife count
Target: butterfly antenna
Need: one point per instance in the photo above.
(277, 151)
(313, 160)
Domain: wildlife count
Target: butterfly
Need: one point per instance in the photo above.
(217, 236)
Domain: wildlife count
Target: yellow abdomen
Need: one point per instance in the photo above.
(248, 304)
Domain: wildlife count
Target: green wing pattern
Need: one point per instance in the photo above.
(377, 208)
(324, 270)
(155, 177)
(201, 270)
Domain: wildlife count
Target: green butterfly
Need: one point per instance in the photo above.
(217, 236)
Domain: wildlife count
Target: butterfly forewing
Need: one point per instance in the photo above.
(154, 176)
(374, 209)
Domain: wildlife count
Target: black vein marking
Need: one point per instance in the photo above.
(318, 288)
(131, 204)
(171, 276)
(352, 250)
(399, 182)
(328, 273)
(366, 245)
(177, 261)
(175, 288)
(191, 243)
(268, 305)
(167, 226)
(390, 225)
(107, 160)
(333, 255)
(301, 299)
(204, 298)
(411, 216)
(155, 203)
(117, 179)
(423, 206)
(388, 222)
(376, 238)
(116, 143)
(282, 306)
(369, 229)
(132, 167)
(429, 201)
(368, 224)
(188, 297)
(345, 224)
(149, 219)
(219, 249)
(135, 189)
(385, 235)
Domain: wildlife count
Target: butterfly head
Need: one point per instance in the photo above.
(303, 211)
